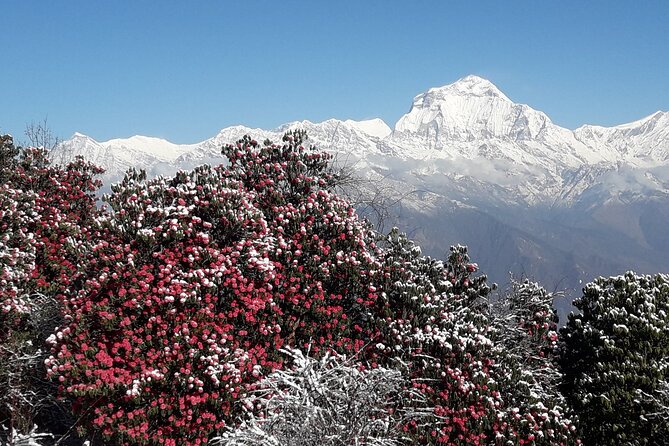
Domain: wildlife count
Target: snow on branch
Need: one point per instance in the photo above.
(32, 438)
(330, 401)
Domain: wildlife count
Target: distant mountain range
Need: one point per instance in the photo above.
(473, 167)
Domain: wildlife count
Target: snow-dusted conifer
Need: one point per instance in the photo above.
(615, 360)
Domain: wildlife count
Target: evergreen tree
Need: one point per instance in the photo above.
(615, 360)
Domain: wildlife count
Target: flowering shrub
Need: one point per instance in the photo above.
(44, 211)
(17, 255)
(17, 244)
(436, 322)
(525, 325)
(17, 264)
(196, 283)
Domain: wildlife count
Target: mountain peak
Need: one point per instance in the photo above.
(471, 85)
(471, 108)
(650, 119)
(374, 127)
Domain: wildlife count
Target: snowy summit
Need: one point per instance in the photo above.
(469, 164)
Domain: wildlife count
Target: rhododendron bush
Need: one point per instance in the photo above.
(44, 212)
(200, 279)
(437, 322)
(525, 327)
(615, 360)
(186, 290)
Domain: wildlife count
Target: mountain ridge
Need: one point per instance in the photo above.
(454, 120)
(470, 164)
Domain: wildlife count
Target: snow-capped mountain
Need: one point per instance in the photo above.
(118, 155)
(473, 119)
(472, 166)
(469, 121)
(644, 142)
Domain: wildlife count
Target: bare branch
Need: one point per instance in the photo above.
(39, 134)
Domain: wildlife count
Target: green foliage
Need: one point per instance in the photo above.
(615, 360)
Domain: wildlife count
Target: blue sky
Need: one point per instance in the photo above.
(182, 70)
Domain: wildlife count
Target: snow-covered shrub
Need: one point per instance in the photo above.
(17, 243)
(329, 401)
(436, 321)
(526, 331)
(194, 284)
(197, 281)
(615, 360)
(30, 438)
(44, 211)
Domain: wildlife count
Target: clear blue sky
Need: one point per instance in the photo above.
(182, 70)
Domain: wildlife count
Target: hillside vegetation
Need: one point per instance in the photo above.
(247, 303)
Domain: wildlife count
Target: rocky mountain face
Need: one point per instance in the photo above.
(468, 165)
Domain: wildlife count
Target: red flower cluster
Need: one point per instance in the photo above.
(43, 208)
(196, 283)
(45, 212)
